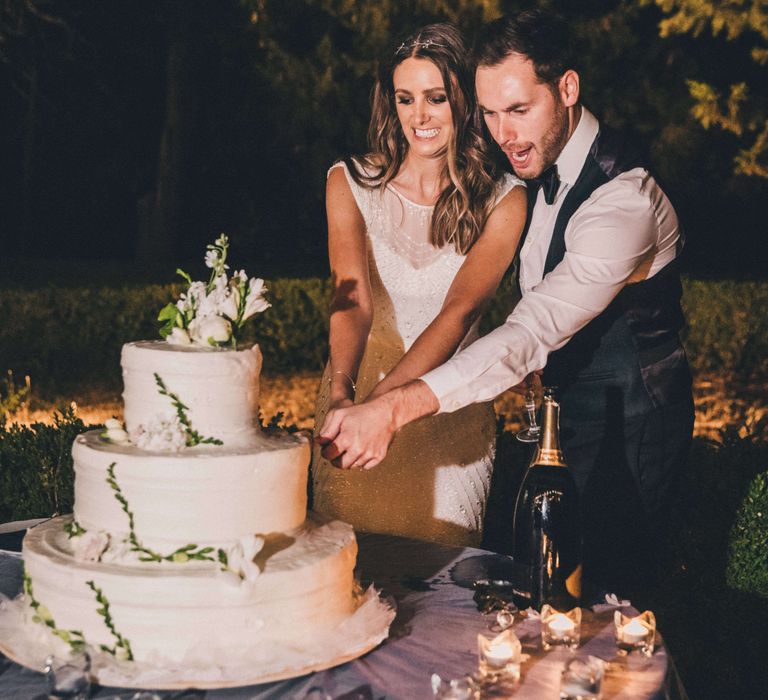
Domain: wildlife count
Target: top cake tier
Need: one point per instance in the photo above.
(219, 388)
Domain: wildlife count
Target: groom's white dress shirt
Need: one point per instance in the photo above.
(624, 233)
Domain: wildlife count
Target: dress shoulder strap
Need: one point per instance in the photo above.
(506, 183)
(365, 197)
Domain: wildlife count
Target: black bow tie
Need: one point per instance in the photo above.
(549, 181)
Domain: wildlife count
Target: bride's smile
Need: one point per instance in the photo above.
(422, 106)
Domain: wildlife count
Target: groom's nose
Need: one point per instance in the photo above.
(505, 131)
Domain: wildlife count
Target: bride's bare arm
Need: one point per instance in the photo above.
(474, 285)
(351, 308)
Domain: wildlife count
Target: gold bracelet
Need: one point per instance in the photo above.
(344, 374)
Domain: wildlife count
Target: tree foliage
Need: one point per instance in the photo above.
(141, 130)
(743, 111)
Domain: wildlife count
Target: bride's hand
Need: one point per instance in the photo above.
(340, 403)
(357, 437)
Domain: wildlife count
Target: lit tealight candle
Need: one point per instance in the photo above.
(559, 628)
(560, 625)
(500, 656)
(634, 631)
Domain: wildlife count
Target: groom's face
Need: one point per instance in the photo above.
(527, 118)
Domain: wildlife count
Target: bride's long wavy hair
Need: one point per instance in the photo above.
(463, 206)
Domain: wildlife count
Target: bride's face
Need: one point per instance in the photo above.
(422, 106)
(529, 120)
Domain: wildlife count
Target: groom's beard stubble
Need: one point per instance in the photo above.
(552, 141)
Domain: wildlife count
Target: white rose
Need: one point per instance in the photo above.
(179, 336)
(115, 432)
(211, 330)
(90, 545)
(117, 435)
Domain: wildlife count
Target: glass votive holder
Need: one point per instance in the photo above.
(560, 628)
(499, 620)
(636, 633)
(455, 689)
(68, 677)
(582, 678)
(500, 657)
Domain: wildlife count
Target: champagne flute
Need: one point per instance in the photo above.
(532, 432)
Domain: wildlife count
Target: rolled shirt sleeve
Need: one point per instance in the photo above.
(611, 237)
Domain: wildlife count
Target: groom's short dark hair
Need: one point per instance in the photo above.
(543, 38)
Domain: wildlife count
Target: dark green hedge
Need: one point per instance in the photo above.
(65, 337)
(36, 474)
(748, 553)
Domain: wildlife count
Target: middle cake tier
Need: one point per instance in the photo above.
(202, 496)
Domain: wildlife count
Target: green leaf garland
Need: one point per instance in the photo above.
(183, 554)
(193, 437)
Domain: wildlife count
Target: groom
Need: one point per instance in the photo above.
(600, 308)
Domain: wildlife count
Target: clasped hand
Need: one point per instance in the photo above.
(357, 437)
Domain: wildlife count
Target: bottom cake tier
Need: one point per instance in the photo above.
(303, 612)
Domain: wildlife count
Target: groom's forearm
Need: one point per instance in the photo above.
(406, 403)
(410, 401)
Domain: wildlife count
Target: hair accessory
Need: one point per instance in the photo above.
(415, 44)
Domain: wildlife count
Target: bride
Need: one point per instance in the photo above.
(421, 230)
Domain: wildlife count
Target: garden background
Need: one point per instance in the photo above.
(132, 134)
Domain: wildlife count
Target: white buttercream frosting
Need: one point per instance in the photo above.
(173, 613)
(203, 496)
(220, 388)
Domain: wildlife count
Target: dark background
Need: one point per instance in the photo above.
(133, 133)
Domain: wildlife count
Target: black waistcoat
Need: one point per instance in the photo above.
(629, 358)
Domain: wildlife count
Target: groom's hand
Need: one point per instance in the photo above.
(357, 437)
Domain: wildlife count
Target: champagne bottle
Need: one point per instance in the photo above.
(546, 539)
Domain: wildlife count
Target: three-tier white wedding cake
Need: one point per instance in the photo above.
(189, 558)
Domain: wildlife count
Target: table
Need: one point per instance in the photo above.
(435, 631)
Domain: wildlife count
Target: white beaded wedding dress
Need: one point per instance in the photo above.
(434, 482)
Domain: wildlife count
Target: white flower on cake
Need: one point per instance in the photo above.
(115, 432)
(179, 336)
(90, 545)
(210, 330)
(213, 259)
(255, 303)
(163, 433)
(241, 569)
(119, 552)
(213, 314)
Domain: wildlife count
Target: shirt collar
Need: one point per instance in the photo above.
(572, 157)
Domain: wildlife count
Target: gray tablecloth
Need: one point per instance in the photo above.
(435, 631)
